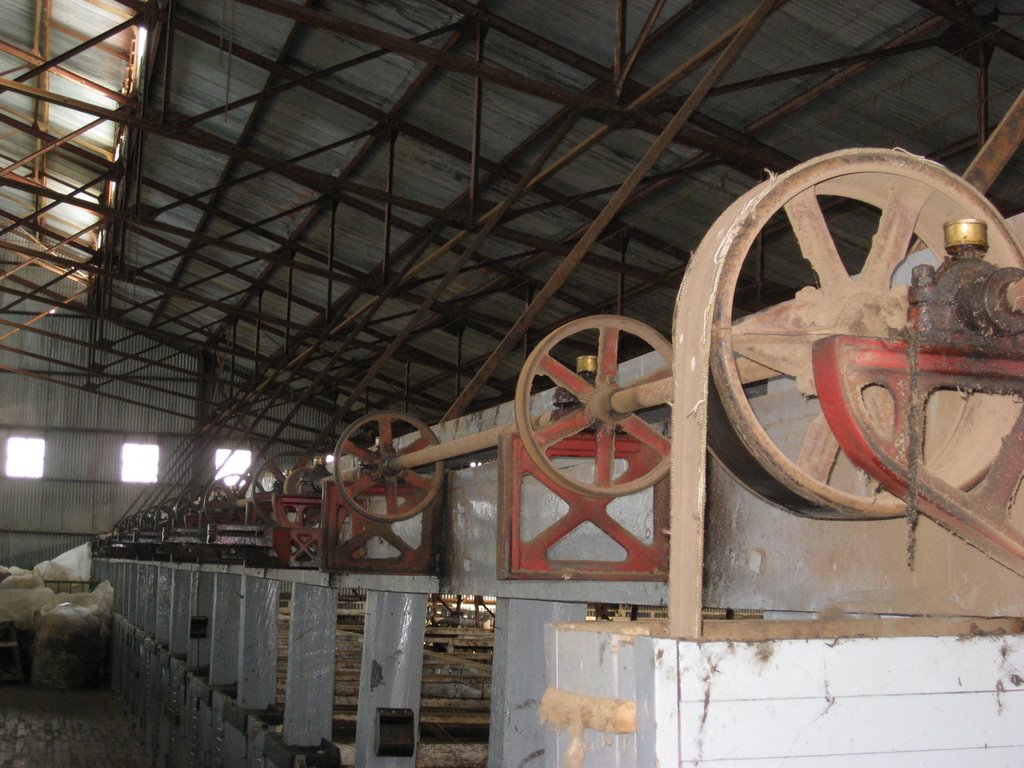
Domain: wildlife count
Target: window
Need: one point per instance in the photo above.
(231, 464)
(139, 462)
(25, 456)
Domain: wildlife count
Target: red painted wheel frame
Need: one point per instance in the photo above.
(406, 493)
(845, 365)
(644, 467)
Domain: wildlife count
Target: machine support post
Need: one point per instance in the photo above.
(387, 722)
(309, 691)
(518, 680)
(257, 662)
(223, 628)
(164, 574)
(183, 588)
(202, 610)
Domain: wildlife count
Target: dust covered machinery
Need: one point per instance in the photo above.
(268, 517)
(905, 358)
(889, 386)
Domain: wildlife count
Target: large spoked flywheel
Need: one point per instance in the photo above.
(860, 219)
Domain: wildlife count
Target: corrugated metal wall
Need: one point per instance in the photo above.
(81, 492)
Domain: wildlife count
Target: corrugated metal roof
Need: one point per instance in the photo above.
(259, 117)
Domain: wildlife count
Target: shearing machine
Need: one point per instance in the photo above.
(875, 416)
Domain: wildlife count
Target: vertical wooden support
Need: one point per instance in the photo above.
(223, 628)
(309, 692)
(164, 574)
(392, 669)
(257, 662)
(183, 588)
(147, 599)
(118, 582)
(202, 608)
(135, 606)
(518, 680)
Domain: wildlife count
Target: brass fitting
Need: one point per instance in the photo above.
(965, 237)
(586, 364)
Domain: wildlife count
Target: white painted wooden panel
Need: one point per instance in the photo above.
(888, 702)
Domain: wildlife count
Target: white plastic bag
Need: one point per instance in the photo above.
(70, 647)
(22, 605)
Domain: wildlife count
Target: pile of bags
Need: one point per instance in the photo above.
(69, 632)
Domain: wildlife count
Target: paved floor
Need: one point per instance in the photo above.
(70, 729)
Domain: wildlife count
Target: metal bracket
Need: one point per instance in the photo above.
(845, 365)
(520, 558)
(349, 540)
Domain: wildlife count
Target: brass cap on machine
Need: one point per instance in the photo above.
(586, 364)
(971, 233)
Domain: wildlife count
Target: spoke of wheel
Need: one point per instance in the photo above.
(608, 355)
(565, 427)
(776, 337)
(349, 447)
(564, 378)
(657, 375)
(390, 500)
(361, 486)
(819, 450)
(816, 243)
(418, 445)
(604, 450)
(385, 434)
(891, 241)
(416, 481)
(1002, 482)
(645, 433)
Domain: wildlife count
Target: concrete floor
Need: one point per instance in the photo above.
(70, 729)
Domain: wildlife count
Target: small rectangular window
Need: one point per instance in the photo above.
(140, 462)
(25, 456)
(231, 464)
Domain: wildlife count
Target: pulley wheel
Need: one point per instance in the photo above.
(372, 442)
(603, 335)
(856, 218)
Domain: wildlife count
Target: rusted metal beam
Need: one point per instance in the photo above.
(243, 140)
(1001, 146)
(49, 147)
(614, 205)
(980, 28)
(886, 52)
(839, 78)
(315, 180)
(288, 83)
(619, 48)
(641, 40)
(48, 64)
(396, 44)
(493, 217)
(292, 367)
(63, 73)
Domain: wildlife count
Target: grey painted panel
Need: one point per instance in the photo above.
(392, 669)
(518, 679)
(309, 691)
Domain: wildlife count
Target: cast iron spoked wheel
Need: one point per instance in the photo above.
(268, 478)
(912, 198)
(220, 503)
(157, 518)
(186, 509)
(591, 420)
(371, 441)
